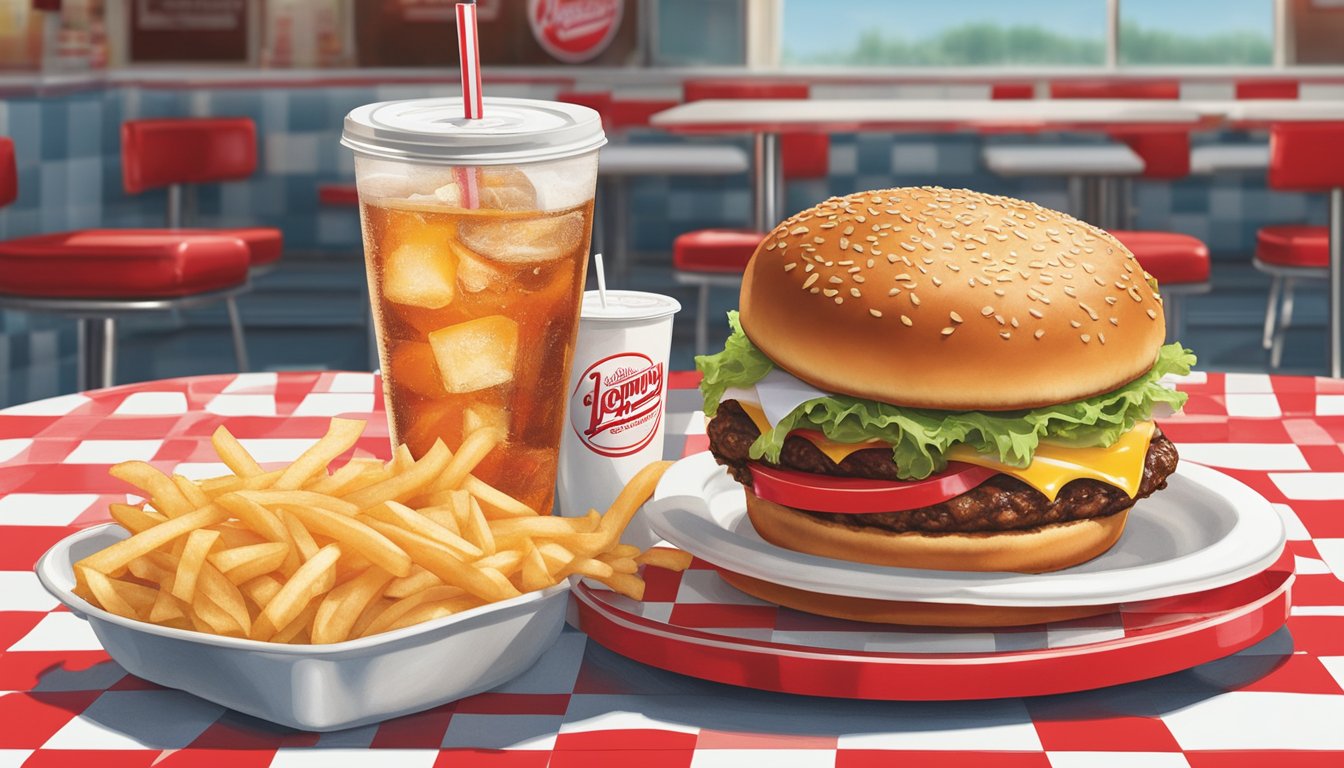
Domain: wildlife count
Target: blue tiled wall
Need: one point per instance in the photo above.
(70, 177)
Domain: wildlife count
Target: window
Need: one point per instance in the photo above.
(951, 34)
(700, 32)
(1227, 32)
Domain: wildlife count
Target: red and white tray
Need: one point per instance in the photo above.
(695, 624)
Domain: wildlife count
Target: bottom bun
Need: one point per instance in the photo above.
(904, 612)
(1034, 550)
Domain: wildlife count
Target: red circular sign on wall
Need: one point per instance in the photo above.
(618, 404)
(574, 30)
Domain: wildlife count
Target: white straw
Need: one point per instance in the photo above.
(601, 280)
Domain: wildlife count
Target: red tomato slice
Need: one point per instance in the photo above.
(859, 496)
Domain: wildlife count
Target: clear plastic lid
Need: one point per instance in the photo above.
(434, 131)
(628, 306)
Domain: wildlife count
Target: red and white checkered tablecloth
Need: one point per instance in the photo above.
(63, 702)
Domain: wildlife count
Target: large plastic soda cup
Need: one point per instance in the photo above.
(617, 401)
(476, 238)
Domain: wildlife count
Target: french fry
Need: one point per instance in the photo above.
(371, 612)
(233, 454)
(272, 498)
(354, 536)
(667, 559)
(401, 607)
(541, 527)
(556, 557)
(233, 534)
(629, 500)
(189, 564)
(534, 574)
(222, 592)
(355, 474)
(506, 562)
(342, 606)
(432, 611)
(495, 502)
(443, 516)
(302, 587)
(133, 518)
(108, 561)
(590, 567)
(625, 550)
(298, 626)
(241, 564)
(402, 460)
(420, 579)
(303, 540)
(163, 492)
(620, 564)
(260, 590)
(625, 584)
(474, 448)
(440, 561)
(138, 596)
(105, 596)
(191, 492)
(215, 617)
(218, 486)
(400, 515)
(476, 527)
(341, 436)
(166, 608)
(405, 485)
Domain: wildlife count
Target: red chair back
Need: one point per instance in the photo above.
(1115, 89)
(161, 153)
(9, 174)
(1267, 89)
(635, 113)
(1018, 91)
(1305, 157)
(806, 155)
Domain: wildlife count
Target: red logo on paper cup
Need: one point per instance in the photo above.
(617, 406)
(574, 30)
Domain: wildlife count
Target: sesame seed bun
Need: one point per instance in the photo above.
(1033, 550)
(950, 299)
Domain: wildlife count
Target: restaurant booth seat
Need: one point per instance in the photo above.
(717, 257)
(1303, 157)
(99, 275)
(178, 153)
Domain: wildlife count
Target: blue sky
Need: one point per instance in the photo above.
(817, 26)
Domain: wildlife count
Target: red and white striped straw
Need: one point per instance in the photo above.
(469, 54)
(473, 107)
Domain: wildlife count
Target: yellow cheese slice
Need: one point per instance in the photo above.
(1055, 465)
(1052, 467)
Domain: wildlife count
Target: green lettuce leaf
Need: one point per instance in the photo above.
(740, 364)
(920, 438)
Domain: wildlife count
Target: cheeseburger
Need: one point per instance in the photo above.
(945, 379)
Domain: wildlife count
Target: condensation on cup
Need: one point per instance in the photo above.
(617, 401)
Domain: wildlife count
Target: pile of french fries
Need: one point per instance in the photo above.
(307, 555)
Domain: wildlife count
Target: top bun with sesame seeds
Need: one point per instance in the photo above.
(950, 299)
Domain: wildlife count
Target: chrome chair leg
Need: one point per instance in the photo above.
(1285, 320)
(1174, 308)
(1271, 310)
(239, 343)
(702, 320)
(97, 352)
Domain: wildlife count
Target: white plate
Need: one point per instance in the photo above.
(1205, 530)
(320, 687)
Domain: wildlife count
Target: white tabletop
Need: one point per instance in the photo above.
(1064, 160)
(1271, 110)
(671, 160)
(784, 115)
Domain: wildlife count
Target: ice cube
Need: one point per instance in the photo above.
(523, 241)
(475, 274)
(420, 275)
(507, 189)
(484, 415)
(476, 354)
(412, 365)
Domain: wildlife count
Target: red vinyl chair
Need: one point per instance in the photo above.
(1303, 157)
(179, 153)
(99, 275)
(1224, 157)
(717, 257)
(1180, 264)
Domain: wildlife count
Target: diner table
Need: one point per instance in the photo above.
(1279, 702)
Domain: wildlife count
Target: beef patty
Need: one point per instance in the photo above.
(1001, 503)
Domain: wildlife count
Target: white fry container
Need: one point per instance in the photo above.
(320, 687)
